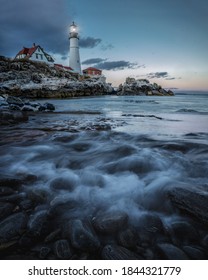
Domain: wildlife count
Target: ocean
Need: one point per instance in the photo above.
(100, 156)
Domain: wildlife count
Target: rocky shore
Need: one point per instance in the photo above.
(24, 78)
(142, 87)
(40, 225)
(14, 109)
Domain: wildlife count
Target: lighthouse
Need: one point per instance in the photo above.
(74, 58)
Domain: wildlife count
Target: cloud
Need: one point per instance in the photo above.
(89, 42)
(169, 79)
(93, 61)
(117, 65)
(157, 75)
(106, 47)
(25, 22)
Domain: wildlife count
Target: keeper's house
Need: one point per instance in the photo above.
(35, 53)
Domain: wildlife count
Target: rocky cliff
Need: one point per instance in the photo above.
(38, 80)
(142, 87)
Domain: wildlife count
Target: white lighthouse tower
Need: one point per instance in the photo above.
(74, 58)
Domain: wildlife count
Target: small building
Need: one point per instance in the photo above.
(35, 53)
(67, 68)
(91, 71)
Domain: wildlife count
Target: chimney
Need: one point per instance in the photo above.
(33, 44)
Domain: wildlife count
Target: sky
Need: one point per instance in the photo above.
(164, 41)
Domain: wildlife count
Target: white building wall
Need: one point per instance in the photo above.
(38, 55)
(74, 58)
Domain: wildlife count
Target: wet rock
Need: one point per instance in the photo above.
(82, 236)
(168, 251)
(128, 238)
(28, 108)
(110, 222)
(6, 191)
(26, 240)
(7, 245)
(37, 223)
(26, 204)
(6, 209)
(205, 241)
(14, 198)
(13, 226)
(150, 227)
(53, 236)
(64, 183)
(62, 249)
(194, 253)
(62, 204)
(113, 252)
(14, 100)
(182, 232)
(11, 183)
(38, 195)
(44, 251)
(10, 117)
(49, 106)
(192, 201)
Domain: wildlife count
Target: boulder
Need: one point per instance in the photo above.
(192, 201)
(12, 227)
(114, 252)
(168, 251)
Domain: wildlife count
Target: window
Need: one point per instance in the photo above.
(36, 55)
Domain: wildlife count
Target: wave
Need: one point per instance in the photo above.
(186, 110)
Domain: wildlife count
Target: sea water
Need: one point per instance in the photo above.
(117, 152)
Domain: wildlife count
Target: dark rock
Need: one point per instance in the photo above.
(49, 106)
(6, 191)
(37, 224)
(113, 252)
(168, 251)
(82, 236)
(44, 251)
(27, 108)
(53, 236)
(62, 249)
(63, 183)
(16, 198)
(26, 204)
(194, 253)
(14, 100)
(12, 227)
(26, 240)
(41, 108)
(205, 241)
(62, 204)
(6, 209)
(10, 182)
(7, 245)
(38, 195)
(10, 117)
(183, 232)
(193, 201)
(150, 227)
(128, 238)
(14, 107)
(110, 222)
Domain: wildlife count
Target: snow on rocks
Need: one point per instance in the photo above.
(14, 109)
(29, 79)
(141, 87)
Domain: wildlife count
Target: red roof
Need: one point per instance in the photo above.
(62, 66)
(28, 51)
(92, 69)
